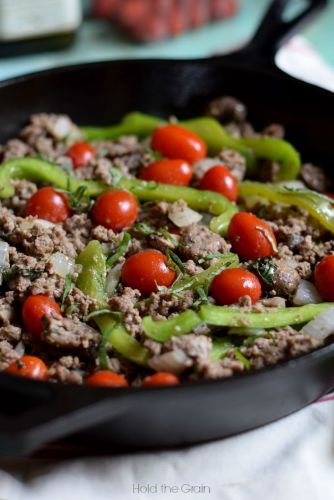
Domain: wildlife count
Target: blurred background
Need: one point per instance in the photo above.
(37, 34)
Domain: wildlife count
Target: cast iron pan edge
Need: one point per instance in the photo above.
(178, 415)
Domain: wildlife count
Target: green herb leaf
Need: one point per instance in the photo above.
(116, 175)
(216, 255)
(121, 250)
(69, 284)
(265, 269)
(242, 358)
(146, 229)
(175, 262)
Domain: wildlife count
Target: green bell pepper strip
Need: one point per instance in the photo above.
(230, 316)
(220, 347)
(216, 138)
(161, 331)
(316, 204)
(37, 170)
(205, 277)
(91, 281)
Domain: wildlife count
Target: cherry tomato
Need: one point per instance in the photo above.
(29, 367)
(81, 153)
(48, 204)
(251, 237)
(105, 378)
(161, 378)
(176, 172)
(220, 179)
(174, 141)
(324, 278)
(115, 209)
(146, 270)
(231, 284)
(34, 308)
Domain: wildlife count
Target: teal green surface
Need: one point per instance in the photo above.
(99, 40)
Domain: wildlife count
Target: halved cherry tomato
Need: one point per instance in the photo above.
(34, 308)
(220, 179)
(174, 141)
(251, 237)
(115, 209)
(48, 204)
(161, 378)
(29, 367)
(81, 153)
(176, 172)
(324, 278)
(105, 378)
(231, 284)
(146, 270)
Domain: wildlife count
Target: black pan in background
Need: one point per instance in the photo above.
(33, 413)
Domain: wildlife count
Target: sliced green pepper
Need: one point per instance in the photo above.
(220, 347)
(216, 138)
(274, 318)
(91, 281)
(316, 204)
(161, 331)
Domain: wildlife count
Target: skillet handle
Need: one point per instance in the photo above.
(274, 31)
(53, 413)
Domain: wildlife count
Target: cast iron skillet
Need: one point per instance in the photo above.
(33, 413)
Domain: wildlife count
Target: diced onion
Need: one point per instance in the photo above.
(321, 326)
(19, 348)
(306, 293)
(181, 215)
(290, 262)
(28, 224)
(4, 251)
(44, 223)
(173, 361)
(62, 264)
(113, 278)
(291, 184)
(200, 167)
(60, 128)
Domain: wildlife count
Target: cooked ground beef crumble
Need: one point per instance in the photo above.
(70, 344)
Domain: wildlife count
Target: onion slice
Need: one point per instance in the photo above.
(181, 215)
(61, 264)
(4, 252)
(306, 293)
(173, 361)
(321, 326)
(113, 277)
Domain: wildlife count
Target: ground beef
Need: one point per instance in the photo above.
(235, 162)
(126, 153)
(197, 347)
(267, 170)
(78, 305)
(15, 148)
(10, 333)
(7, 354)
(97, 169)
(197, 241)
(192, 268)
(227, 109)
(78, 228)
(53, 286)
(67, 370)
(274, 130)
(66, 333)
(103, 234)
(23, 192)
(285, 279)
(278, 345)
(6, 312)
(224, 368)
(162, 304)
(125, 303)
(315, 178)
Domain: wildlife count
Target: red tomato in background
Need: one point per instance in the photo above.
(48, 204)
(231, 284)
(146, 270)
(220, 179)
(106, 378)
(176, 172)
(34, 308)
(324, 278)
(161, 378)
(81, 153)
(115, 209)
(251, 237)
(28, 367)
(174, 141)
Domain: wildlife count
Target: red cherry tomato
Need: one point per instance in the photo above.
(220, 179)
(161, 378)
(115, 209)
(29, 367)
(147, 269)
(231, 284)
(251, 237)
(105, 378)
(176, 172)
(48, 204)
(34, 308)
(324, 278)
(81, 153)
(174, 141)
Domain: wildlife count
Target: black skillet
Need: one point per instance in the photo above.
(33, 413)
